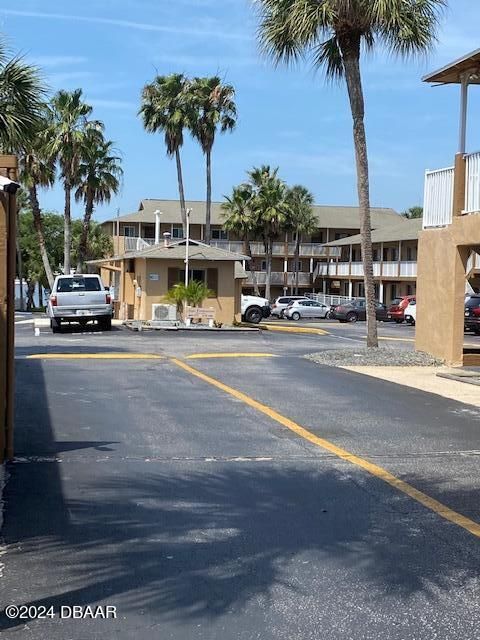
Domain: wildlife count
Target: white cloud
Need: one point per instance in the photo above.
(198, 32)
(58, 61)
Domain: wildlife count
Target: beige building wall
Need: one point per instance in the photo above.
(442, 262)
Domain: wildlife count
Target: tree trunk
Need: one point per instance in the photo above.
(296, 258)
(350, 47)
(181, 193)
(67, 230)
(247, 249)
(208, 211)
(268, 247)
(38, 224)
(40, 294)
(82, 245)
(19, 261)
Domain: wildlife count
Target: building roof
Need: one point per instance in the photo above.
(452, 73)
(408, 230)
(176, 251)
(333, 217)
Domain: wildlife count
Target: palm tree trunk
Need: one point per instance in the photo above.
(38, 224)
(269, 252)
(296, 258)
(19, 260)
(82, 245)
(67, 230)
(350, 47)
(208, 211)
(181, 193)
(247, 249)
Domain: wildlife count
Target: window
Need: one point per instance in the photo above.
(219, 234)
(394, 254)
(318, 237)
(299, 265)
(129, 231)
(409, 253)
(263, 266)
(339, 236)
(385, 255)
(177, 232)
(65, 285)
(375, 255)
(207, 276)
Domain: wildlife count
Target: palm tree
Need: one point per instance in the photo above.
(37, 169)
(69, 125)
(212, 107)
(332, 33)
(270, 207)
(22, 96)
(99, 174)
(301, 220)
(164, 108)
(413, 212)
(239, 219)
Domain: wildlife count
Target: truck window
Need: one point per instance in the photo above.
(67, 285)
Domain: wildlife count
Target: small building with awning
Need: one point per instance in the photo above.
(140, 279)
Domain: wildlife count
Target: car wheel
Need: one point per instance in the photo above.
(352, 317)
(105, 324)
(295, 315)
(254, 315)
(55, 325)
(342, 321)
(399, 321)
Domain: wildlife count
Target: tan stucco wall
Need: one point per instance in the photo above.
(226, 304)
(442, 260)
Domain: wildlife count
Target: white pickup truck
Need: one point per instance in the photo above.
(254, 309)
(79, 298)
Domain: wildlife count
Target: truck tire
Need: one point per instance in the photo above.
(55, 325)
(253, 315)
(105, 324)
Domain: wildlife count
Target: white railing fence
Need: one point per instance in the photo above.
(328, 299)
(137, 244)
(472, 183)
(438, 198)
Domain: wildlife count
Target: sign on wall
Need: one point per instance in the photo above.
(153, 276)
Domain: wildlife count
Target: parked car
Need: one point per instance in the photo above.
(355, 310)
(472, 313)
(411, 312)
(396, 310)
(280, 304)
(79, 298)
(306, 309)
(254, 309)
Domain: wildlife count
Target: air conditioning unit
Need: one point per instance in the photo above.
(164, 312)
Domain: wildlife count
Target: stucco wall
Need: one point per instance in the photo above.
(226, 304)
(442, 259)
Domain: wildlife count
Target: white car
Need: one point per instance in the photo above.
(410, 314)
(306, 309)
(254, 309)
(280, 304)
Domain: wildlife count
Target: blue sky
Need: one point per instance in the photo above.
(288, 117)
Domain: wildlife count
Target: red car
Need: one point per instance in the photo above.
(396, 310)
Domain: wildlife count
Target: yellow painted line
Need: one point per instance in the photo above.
(430, 503)
(281, 327)
(94, 356)
(201, 356)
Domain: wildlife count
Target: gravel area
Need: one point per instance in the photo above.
(381, 357)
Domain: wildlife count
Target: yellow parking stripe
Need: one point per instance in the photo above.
(94, 356)
(282, 327)
(201, 356)
(430, 503)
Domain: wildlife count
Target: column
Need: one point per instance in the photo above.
(380, 295)
(350, 289)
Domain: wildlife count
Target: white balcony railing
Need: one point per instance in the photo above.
(137, 244)
(472, 183)
(390, 269)
(313, 249)
(277, 278)
(438, 198)
(408, 269)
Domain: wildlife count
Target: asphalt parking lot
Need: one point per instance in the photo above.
(219, 485)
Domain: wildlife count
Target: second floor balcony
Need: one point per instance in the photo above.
(398, 269)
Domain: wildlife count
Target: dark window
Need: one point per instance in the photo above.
(472, 302)
(129, 232)
(173, 276)
(177, 232)
(65, 285)
(212, 281)
(375, 255)
(385, 255)
(219, 234)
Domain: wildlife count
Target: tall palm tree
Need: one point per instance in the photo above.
(37, 169)
(239, 219)
(22, 95)
(301, 220)
(332, 33)
(212, 108)
(164, 108)
(99, 174)
(70, 123)
(271, 208)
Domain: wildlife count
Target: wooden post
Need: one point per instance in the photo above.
(8, 168)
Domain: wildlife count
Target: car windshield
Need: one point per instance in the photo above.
(396, 301)
(66, 285)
